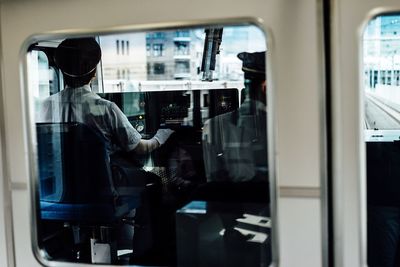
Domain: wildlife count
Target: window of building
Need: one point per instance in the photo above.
(148, 68)
(159, 68)
(158, 50)
(182, 48)
(205, 100)
(397, 77)
(182, 33)
(148, 50)
(383, 76)
(159, 35)
(155, 35)
(182, 67)
(117, 45)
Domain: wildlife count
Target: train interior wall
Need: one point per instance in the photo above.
(294, 86)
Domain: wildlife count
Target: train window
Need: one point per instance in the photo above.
(43, 80)
(151, 148)
(381, 63)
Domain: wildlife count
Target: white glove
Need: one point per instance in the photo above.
(162, 135)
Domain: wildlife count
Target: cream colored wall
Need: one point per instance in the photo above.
(295, 78)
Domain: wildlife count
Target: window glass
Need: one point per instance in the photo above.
(381, 63)
(159, 68)
(43, 79)
(381, 67)
(152, 148)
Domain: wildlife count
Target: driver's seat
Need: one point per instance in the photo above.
(76, 186)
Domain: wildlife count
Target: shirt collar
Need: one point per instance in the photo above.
(86, 87)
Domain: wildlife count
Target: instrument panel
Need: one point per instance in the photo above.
(148, 111)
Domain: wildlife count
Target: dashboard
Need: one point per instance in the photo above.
(149, 111)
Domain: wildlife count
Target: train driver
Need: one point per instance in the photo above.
(78, 59)
(235, 160)
(235, 142)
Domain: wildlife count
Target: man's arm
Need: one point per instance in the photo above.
(146, 146)
(129, 139)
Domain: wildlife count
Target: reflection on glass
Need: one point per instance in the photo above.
(381, 60)
(141, 161)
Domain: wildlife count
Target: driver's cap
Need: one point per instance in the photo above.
(77, 57)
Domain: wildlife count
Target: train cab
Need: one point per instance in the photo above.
(200, 94)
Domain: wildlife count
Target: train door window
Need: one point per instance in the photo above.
(153, 150)
(381, 56)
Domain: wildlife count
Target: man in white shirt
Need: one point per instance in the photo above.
(78, 59)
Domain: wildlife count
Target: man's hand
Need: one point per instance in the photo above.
(162, 135)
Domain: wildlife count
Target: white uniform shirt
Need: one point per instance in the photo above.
(83, 106)
(235, 144)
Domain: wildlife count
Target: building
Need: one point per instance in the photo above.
(382, 52)
(173, 55)
(123, 61)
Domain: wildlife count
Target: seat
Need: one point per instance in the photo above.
(76, 186)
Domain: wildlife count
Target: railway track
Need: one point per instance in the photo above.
(381, 113)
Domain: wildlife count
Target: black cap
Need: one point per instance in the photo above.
(253, 64)
(77, 57)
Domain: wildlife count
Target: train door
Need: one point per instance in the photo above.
(364, 58)
(296, 109)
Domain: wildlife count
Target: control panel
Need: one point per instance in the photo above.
(148, 111)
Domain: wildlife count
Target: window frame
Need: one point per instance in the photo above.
(31, 131)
